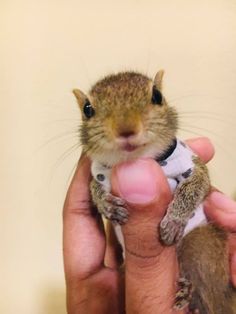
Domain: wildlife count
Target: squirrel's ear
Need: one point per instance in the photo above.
(80, 96)
(158, 79)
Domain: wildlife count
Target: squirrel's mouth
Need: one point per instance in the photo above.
(129, 147)
(131, 143)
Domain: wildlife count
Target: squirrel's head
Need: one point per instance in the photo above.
(125, 116)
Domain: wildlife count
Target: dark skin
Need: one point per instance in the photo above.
(94, 281)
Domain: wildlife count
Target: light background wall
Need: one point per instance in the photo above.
(47, 48)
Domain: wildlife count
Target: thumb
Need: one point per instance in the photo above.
(151, 269)
(144, 187)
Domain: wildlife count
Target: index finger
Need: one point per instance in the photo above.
(221, 209)
(203, 147)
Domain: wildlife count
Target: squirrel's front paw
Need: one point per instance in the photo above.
(112, 207)
(171, 229)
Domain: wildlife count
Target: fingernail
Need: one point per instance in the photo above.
(220, 200)
(137, 181)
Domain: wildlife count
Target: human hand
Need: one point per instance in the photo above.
(92, 286)
(151, 269)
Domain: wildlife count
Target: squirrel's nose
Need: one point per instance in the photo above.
(127, 133)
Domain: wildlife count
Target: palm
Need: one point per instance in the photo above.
(105, 293)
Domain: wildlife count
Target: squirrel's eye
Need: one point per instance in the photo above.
(156, 96)
(88, 109)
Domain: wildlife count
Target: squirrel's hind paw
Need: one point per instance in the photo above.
(184, 294)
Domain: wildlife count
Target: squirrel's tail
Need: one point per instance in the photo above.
(204, 261)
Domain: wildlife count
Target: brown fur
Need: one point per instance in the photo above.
(187, 197)
(122, 104)
(203, 257)
(192, 191)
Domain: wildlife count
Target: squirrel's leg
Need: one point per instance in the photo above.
(110, 206)
(188, 195)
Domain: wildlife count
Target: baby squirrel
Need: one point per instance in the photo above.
(125, 117)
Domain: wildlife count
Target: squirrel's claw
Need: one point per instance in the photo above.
(171, 229)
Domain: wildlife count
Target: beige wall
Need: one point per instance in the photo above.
(49, 47)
